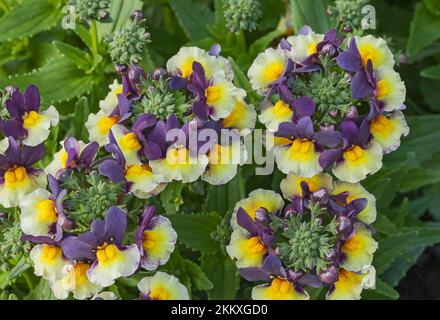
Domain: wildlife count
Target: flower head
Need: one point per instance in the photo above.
(162, 286)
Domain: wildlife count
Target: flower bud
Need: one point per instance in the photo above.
(330, 275)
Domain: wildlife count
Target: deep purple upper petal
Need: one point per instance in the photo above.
(116, 225)
(113, 170)
(32, 98)
(76, 249)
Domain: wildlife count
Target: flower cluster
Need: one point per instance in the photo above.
(91, 9)
(169, 125)
(242, 14)
(331, 103)
(85, 233)
(321, 239)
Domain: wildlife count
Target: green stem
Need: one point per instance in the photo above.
(4, 6)
(28, 281)
(94, 35)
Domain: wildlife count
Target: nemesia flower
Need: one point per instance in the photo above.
(273, 115)
(74, 154)
(242, 117)
(376, 50)
(387, 130)
(267, 68)
(300, 154)
(102, 246)
(138, 177)
(100, 124)
(27, 121)
(162, 286)
(156, 239)
(75, 281)
(111, 101)
(249, 244)
(47, 257)
(359, 155)
(17, 176)
(280, 285)
(291, 185)
(258, 199)
(304, 45)
(350, 284)
(390, 89)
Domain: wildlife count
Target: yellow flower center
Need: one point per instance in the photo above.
(15, 175)
(368, 52)
(47, 211)
(383, 89)
(354, 154)
(187, 68)
(150, 239)
(236, 115)
(353, 244)
(282, 110)
(302, 146)
(107, 253)
(50, 253)
(213, 94)
(106, 123)
(130, 142)
(280, 289)
(119, 90)
(380, 123)
(136, 170)
(312, 48)
(159, 293)
(81, 274)
(31, 119)
(255, 246)
(348, 280)
(273, 71)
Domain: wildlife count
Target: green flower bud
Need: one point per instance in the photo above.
(91, 9)
(242, 14)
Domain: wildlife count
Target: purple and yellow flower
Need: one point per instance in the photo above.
(355, 191)
(100, 124)
(102, 246)
(359, 156)
(48, 258)
(111, 101)
(27, 121)
(304, 45)
(73, 154)
(267, 200)
(301, 153)
(75, 281)
(291, 185)
(351, 284)
(358, 250)
(267, 68)
(17, 176)
(390, 89)
(214, 98)
(251, 243)
(376, 50)
(155, 238)
(273, 115)
(387, 130)
(162, 286)
(242, 117)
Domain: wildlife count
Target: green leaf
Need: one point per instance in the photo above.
(241, 80)
(262, 43)
(222, 199)
(81, 115)
(199, 280)
(77, 56)
(41, 292)
(382, 291)
(432, 72)
(390, 248)
(29, 18)
(420, 177)
(433, 6)
(311, 13)
(58, 80)
(222, 272)
(194, 230)
(424, 29)
(19, 269)
(171, 198)
(193, 18)
(83, 33)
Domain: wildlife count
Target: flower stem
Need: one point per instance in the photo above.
(94, 36)
(4, 6)
(28, 281)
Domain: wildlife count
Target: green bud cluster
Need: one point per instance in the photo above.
(348, 13)
(88, 10)
(305, 244)
(159, 100)
(242, 14)
(89, 196)
(11, 246)
(4, 113)
(330, 90)
(126, 45)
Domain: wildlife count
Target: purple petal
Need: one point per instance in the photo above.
(124, 105)
(329, 157)
(200, 109)
(305, 128)
(305, 30)
(88, 154)
(287, 130)
(215, 50)
(13, 128)
(116, 225)
(13, 153)
(178, 83)
(97, 229)
(360, 86)
(31, 155)
(76, 249)
(349, 131)
(328, 138)
(285, 45)
(113, 170)
(246, 222)
(15, 105)
(349, 62)
(32, 98)
(303, 107)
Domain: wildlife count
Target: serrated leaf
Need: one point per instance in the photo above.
(383, 291)
(222, 272)
(19, 269)
(58, 80)
(171, 198)
(77, 56)
(29, 18)
(199, 280)
(311, 13)
(193, 18)
(194, 230)
(424, 29)
(432, 72)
